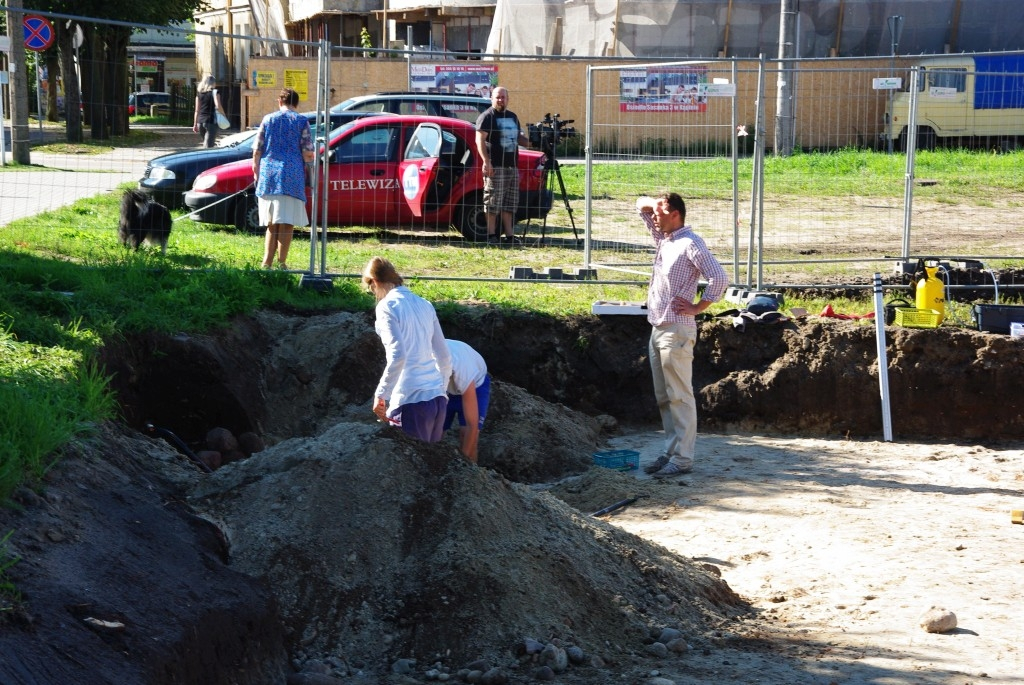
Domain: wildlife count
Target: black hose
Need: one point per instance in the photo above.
(615, 507)
(178, 443)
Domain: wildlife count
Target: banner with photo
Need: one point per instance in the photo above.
(462, 79)
(663, 89)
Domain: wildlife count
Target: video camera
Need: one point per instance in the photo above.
(546, 133)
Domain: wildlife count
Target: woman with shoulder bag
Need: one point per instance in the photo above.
(208, 106)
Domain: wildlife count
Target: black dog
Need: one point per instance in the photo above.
(143, 220)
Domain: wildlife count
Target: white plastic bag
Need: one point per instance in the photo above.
(222, 121)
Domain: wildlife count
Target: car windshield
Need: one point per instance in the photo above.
(236, 139)
(245, 143)
(342, 106)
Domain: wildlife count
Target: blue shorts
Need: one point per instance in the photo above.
(483, 400)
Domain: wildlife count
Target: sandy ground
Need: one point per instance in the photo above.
(843, 545)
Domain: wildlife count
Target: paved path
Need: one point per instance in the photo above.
(57, 180)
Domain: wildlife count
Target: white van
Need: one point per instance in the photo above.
(962, 100)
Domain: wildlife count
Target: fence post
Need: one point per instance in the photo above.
(908, 180)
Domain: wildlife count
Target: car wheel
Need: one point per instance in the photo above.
(471, 219)
(247, 214)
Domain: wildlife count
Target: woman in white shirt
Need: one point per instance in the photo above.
(469, 395)
(411, 392)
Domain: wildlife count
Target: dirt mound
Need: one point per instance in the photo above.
(379, 547)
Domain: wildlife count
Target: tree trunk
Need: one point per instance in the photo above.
(72, 88)
(117, 38)
(96, 81)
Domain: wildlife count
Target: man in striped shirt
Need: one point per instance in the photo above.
(681, 260)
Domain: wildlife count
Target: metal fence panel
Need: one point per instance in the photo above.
(641, 127)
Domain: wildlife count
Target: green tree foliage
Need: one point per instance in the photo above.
(103, 56)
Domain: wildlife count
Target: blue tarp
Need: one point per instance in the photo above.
(999, 82)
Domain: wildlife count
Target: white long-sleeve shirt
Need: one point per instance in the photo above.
(418, 362)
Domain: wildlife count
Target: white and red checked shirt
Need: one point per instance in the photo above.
(682, 258)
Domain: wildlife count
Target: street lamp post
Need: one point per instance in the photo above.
(895, 28)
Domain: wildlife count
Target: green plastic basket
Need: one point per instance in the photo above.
(917, 318)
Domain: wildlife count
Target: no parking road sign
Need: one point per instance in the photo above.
(38, 33)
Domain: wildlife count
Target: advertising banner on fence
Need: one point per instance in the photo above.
(663, 89)
(463, 79)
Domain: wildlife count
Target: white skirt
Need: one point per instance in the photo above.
(282, 209)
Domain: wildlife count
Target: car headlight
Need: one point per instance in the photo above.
(159, 173)
(205, 182)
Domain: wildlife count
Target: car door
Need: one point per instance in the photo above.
(363, 176)
(419, 169)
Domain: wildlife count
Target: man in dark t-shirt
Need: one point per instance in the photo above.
(498, 138)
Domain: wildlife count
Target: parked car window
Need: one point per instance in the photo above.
(375, 106)
(464, 112)
(424, 143)
(412, 107)
(370, 145)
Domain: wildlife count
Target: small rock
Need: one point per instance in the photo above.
(544, 673)
(531, 646)
(668, 634)
(403, 666)
(316, 666)
(211, 458)
(494, 676)
(712, 569)
(555, 657)
(679, 646)
(474, 676)
(100, 625)
(575, 654)
(938, 620)
(479, 665)
(250, 443)
(221, 439)
(658, 649)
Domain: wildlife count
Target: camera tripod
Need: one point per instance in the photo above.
(551, 164)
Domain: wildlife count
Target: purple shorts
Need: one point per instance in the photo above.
(424, 420)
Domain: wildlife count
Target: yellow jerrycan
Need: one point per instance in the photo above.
(930, 293)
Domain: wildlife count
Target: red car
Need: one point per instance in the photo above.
(410, 171)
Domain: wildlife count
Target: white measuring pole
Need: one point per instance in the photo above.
(883, 362)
